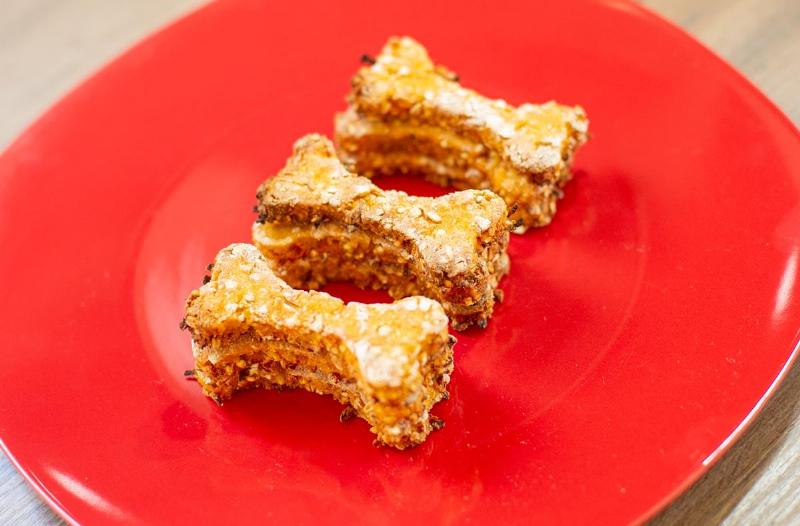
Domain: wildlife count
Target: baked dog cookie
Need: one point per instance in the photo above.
(407, 114)
(319, 222)
(389, 363)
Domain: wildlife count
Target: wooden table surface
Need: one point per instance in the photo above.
(46, 46)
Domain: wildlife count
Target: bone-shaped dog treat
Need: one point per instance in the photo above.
(319, 222)
(409, 115)
(390, 363)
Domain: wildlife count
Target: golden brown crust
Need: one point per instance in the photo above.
(315, 212)
(407, 114)
(390, 362)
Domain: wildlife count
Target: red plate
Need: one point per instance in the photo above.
(641, 331)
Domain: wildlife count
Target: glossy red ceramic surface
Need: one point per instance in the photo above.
(641, 330)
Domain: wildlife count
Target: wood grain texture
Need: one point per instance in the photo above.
(47, 46)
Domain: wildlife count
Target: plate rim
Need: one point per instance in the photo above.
(640, 10)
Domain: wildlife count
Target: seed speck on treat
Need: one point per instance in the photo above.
(433, 216)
